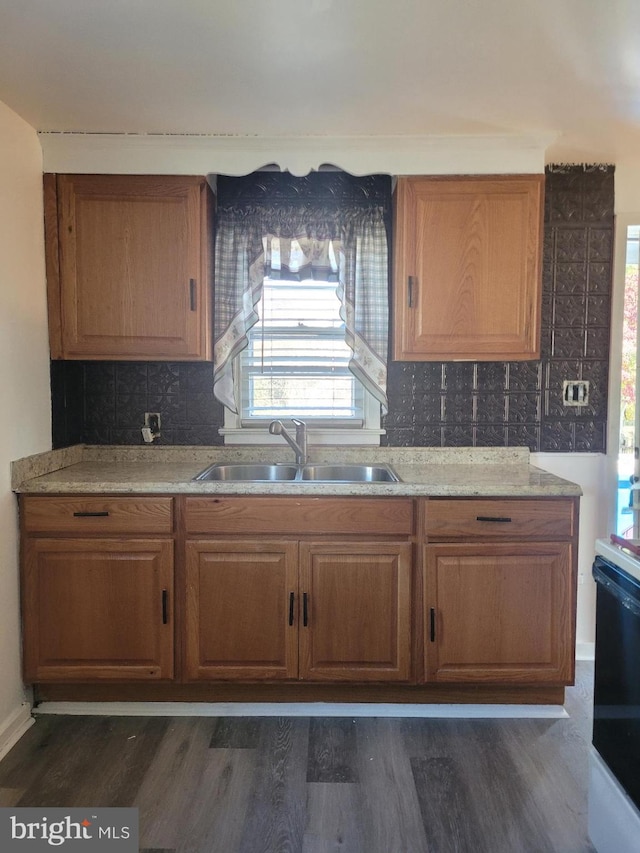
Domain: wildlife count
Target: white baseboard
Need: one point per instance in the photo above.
(14, 727)
(585, 651)
(298, 709)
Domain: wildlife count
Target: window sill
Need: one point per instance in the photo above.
(371, 437)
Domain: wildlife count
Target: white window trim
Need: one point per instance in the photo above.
(369, 434)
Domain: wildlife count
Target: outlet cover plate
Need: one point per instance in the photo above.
(575, 392)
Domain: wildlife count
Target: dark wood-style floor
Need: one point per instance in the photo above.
(321, 785)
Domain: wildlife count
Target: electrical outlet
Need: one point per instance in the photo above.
(152, 420)
(575, 392)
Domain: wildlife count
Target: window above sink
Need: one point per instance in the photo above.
(296, 365)
(301, 298)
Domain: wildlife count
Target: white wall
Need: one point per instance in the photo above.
(25, 411)
(589, 471)
(627, 185)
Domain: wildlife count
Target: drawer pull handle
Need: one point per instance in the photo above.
(102, 514)
(291, 600)
(432, 624)
(192, 294)
(165, 606)
(305, 609)
(503, 519)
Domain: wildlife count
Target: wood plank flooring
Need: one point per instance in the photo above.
(321, 785)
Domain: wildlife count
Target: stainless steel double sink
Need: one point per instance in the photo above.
(309, 473)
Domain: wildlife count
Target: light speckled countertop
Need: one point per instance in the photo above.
(437, 472)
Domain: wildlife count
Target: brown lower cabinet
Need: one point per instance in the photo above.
(273, 609)
(499, 613)
(500, 590)
(98, 609)
(237, 610)
(444, 597)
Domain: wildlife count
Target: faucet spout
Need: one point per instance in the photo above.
(299, 443)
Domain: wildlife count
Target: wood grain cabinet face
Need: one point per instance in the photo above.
(128, 266)
(294, 608)
(356, 621)
(500, 613)
(269, 609)
(467, 268)
(96, 609)
(241, 611)
(97, 588)
(500, 590)
(84, 514)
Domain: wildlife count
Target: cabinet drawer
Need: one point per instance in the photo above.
(499, 519)
(100, 515)
(299, 516)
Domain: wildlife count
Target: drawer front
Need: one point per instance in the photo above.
(499, 519)
(299, 516)
(99, 515)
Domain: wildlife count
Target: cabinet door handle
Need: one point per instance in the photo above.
(432, 624)
(305, 609)
(410, 286)
(165, 606)
(102, 514)
(192, 294)
(291, 600)
(502, 519)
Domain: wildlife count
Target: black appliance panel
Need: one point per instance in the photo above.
(616, 712)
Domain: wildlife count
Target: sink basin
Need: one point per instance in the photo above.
(321, 473)
(350, 473)
(248, 473)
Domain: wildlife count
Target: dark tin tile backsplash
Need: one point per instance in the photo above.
(483, 404)
(105, 402)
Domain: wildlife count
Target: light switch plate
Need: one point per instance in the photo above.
(575, 392)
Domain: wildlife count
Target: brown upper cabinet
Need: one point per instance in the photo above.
(467, 268)
(128, 266)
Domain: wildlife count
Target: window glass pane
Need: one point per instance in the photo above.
(626, 524)
(296, 363)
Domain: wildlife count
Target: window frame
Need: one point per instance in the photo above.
(366, 430)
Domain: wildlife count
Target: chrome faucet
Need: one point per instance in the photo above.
(299, 443)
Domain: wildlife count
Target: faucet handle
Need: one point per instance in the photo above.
(301, 428)
(301, 438)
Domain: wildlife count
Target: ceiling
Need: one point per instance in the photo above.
(292, 68)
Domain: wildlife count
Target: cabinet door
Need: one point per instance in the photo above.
(501, 613)
(133, 267)
(242, 610)
(467, 279)
(356, 623)
(98, 609)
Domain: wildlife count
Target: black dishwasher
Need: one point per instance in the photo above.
(616, 711)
